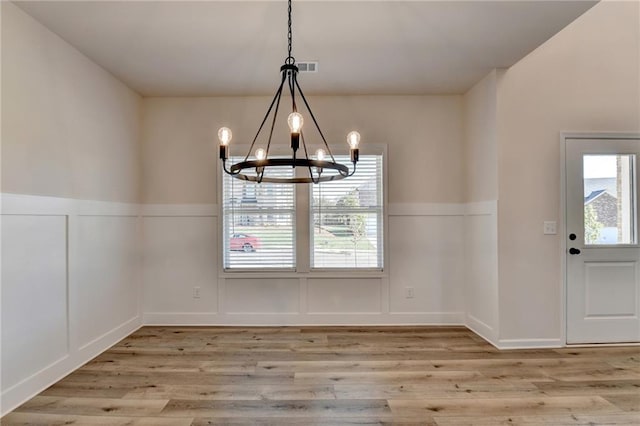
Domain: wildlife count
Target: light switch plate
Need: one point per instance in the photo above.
(550, 228)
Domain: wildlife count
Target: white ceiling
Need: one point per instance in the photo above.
(187, 48)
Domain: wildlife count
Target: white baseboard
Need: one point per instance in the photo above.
(481, 329)
(346, 319)
(108, 339)
(36, 383)
(530, 344)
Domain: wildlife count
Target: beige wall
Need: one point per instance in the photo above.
(69, 128)
(423, 133)
(481, 140)
(586, 79)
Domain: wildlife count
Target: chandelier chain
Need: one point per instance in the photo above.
(290, 59)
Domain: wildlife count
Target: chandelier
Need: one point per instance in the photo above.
(322, 167)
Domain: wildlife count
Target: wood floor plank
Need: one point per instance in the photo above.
(389, 377)
(338, 376)
(174, 378)
(182, 364)
(598, 387)
(233, 392)
(267, 408)
(90, 390)
(544, 420)
(502, 406)
(38, 419)
(464, 390)
(626, 402)
(92, 406)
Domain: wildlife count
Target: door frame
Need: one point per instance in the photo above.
(562, 229)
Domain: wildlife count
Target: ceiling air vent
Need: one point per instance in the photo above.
(307, 66)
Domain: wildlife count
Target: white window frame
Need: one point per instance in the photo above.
(302, 227)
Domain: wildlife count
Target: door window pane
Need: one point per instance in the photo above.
(609, 199)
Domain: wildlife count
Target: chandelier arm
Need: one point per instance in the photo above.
(273, 121)
(229, 172)
(292, 89)
(275, 97)
(313, 117)
(354, 169)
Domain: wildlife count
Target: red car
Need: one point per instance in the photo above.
(244, 242)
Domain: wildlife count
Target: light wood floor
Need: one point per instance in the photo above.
(338, 376)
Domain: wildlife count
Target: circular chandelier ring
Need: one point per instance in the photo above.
(236, 170)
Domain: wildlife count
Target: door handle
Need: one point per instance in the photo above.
(574, 251)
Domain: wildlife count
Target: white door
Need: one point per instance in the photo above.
(603, 255)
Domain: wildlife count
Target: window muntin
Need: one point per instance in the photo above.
(347, 218)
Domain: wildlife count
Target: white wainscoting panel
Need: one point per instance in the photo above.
(107, 265)
(344, 295)
(481, 260)
(70, 287)
(180, 253)
(34, 295)
(262, 296)
(426, 254)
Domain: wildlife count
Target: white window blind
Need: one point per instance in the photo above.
(258, 222)
(347, 218)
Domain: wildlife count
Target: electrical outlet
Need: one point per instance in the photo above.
(196, 292)
(408, 292)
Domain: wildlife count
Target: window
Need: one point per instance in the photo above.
(344, 228)
(347, 218)
(258, 223)
(609, 199)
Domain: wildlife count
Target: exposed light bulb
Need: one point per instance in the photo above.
(261, 154)
(295, 122)
(320, 154)
(353, 139)
(225, 135)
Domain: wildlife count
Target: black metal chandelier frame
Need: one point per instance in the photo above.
(289, 76)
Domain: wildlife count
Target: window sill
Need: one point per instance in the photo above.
(318, 273)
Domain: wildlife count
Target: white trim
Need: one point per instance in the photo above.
(19, 204)
(564, 136)
(562, 232)
(301, 320)
(529, 344)
(90, 347)
(481, 328)
(22, 204)
(482, 208)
